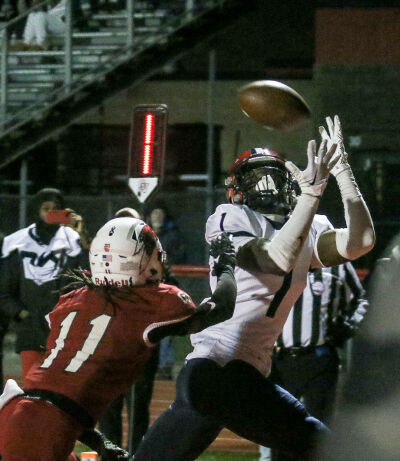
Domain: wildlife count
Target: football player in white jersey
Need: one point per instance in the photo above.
(278, 237)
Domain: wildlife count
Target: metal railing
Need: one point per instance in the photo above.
(75, 80)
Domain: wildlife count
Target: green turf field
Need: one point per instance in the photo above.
(227, 457)
(206, 457)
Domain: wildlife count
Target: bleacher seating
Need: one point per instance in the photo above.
(114, 49)
(32, 74)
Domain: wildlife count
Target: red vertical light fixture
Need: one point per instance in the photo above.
(147, 149)
(148, 142)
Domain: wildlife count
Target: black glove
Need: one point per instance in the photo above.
(97, 441)
(342, 330)
(111, 452)
(223, 252)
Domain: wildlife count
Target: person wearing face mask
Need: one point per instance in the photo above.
(167, 230)
(32, 262)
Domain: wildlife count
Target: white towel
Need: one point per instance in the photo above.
(11, 390)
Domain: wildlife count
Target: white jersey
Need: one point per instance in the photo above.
(263, 303)
(42, 263)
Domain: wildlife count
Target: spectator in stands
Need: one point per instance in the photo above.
(9, 10)
(5, 12)
(40, 24)
(33, 260)
(158, 216)
(306, 359)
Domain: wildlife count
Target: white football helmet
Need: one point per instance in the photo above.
(126, 252)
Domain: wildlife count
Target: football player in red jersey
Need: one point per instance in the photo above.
(100, 337)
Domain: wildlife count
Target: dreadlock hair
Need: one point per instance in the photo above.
(81, 278)
(78, 278)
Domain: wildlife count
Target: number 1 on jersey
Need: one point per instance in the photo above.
(279, 295)
(99, 327)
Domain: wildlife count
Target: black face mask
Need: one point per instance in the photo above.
(45, 232)
(267, 189)
(266, 202)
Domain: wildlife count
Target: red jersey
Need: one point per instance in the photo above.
(95, 350)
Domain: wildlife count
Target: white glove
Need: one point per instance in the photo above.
(334, 136)
(313, 180)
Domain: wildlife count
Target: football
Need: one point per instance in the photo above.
(273, 104)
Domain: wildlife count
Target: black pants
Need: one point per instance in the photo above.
(111, 421)
(236, 396)
(311, 375)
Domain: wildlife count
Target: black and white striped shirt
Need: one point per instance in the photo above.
(330, 292)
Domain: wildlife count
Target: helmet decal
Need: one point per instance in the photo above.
(149, 239)
(126, 252)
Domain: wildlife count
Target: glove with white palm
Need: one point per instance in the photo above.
(313, 180)
(339, 163)
(334, 135)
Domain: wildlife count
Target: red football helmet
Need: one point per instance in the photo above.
(258, 178)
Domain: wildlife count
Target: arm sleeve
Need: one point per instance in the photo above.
(286, 246)
(359, 236)
(320, 225)
(218, 309)
(221, 305)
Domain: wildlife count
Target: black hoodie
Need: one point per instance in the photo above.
(32, 261)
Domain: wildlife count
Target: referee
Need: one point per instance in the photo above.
(306, 360)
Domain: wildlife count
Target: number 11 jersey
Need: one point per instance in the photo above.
(95, 350)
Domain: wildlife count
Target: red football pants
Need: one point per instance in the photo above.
(32, 430)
